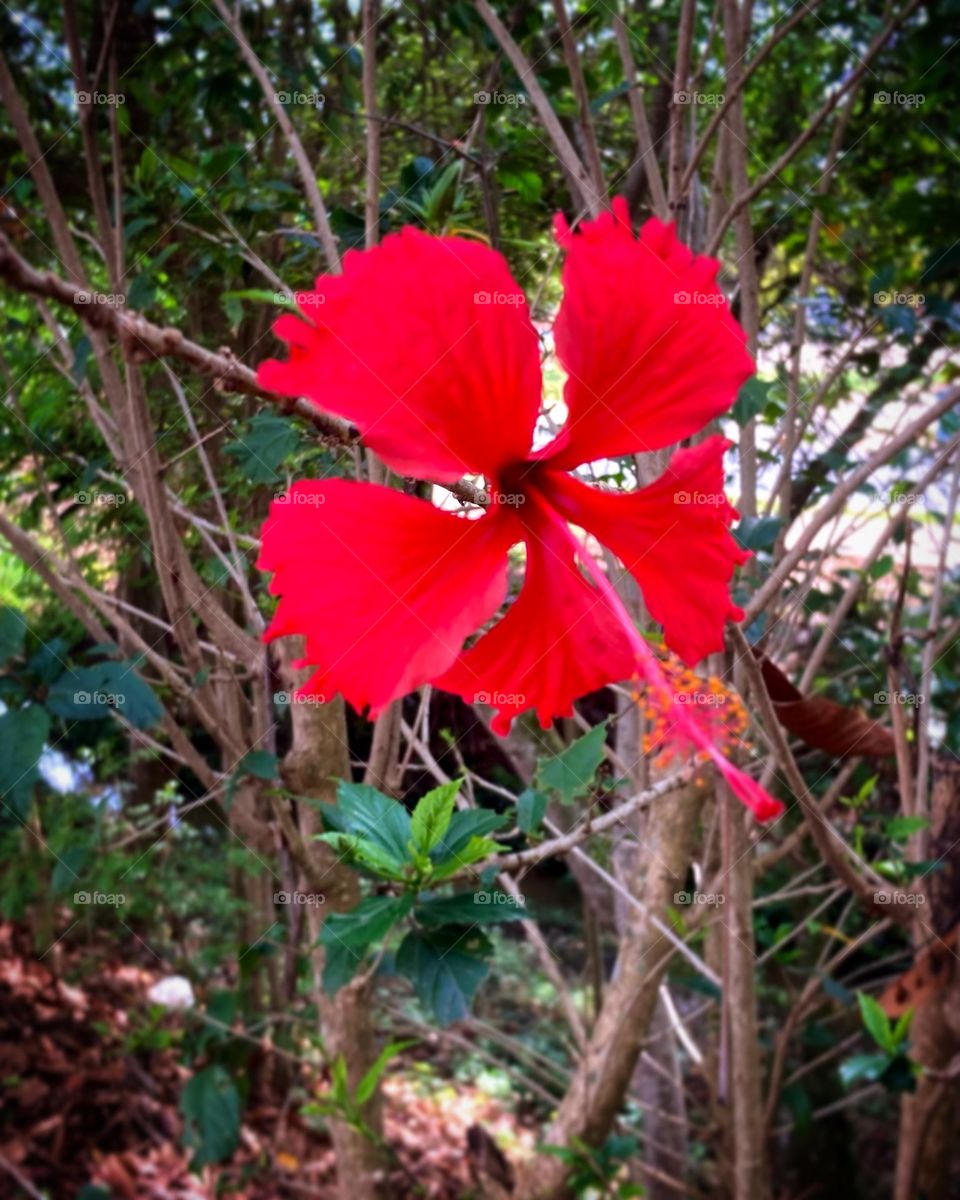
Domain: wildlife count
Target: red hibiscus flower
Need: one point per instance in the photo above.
(426, 345)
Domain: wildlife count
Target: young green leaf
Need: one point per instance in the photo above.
(431, 818)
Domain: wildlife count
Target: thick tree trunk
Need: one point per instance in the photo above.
(929, 1116)
(318, 756)
(600, 1084)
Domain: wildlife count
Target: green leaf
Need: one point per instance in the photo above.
(431, 817)
(902, 828)
(466, 825)
(210, 1105)
(269, 440)
(361, 852)
(13, 629)
(340, 964)
(368, 1084)
(751, 401)
(370, 921)
(444, 973)
(757, 533)
(259, 763)
(470, 908)
(23, 734)
(571, 772)
(531, 809)
(264, 296)
(88, 694)
(377, 818)
(476, 850)
(876, 1022)
(863, 1068)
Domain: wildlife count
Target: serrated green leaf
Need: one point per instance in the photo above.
(482, 907)
(375, 817)
(269, 440)
(570, 773)
(444, 972)
(431, 818)
(464, 826)
(363, 853)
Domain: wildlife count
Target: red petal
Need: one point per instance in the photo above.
(425, 343)
(384, 587)
(650, 348)
(673, 537)
(558, 640)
